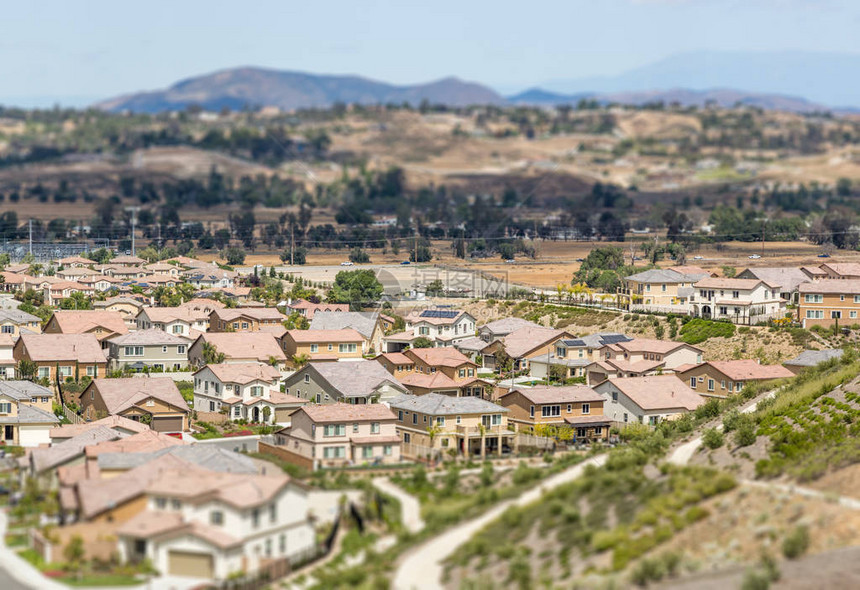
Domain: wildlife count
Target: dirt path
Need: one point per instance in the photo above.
(410, 507)
(422, 567)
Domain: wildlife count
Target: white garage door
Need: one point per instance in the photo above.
(194, 565)
(33, 436)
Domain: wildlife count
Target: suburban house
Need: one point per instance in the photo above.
(239, 347)
(334, 435)
(152, 400)
(322, 345)
(102, 324)
(358, 382)
(180, 321)
(72, 355)
(639, 357)
(244, 390)
(148, 349)
(787, 278)
(55, 292)
(722, 378)
(210, 278)
(26, 413)
(7, 356)
(443, 370)
(122, 425)
(436, 423)
(101, 283)
(522, 345)
(573, 355)
(396, 363)
(308, 309)
(574, 406)
(210, 525)
(127, 307)
(75, 261)
(742, 301)
(841, 270)
(662, 289)
(829, 302)
(16, 322)
(502, 327)
(44, 463)
(811, 358)
(647, 400)
(442, 327)
(368, 324)
(244, 319)
(127, 260)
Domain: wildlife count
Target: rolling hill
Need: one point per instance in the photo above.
(240, 87)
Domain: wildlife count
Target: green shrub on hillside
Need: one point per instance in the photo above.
(698, 330)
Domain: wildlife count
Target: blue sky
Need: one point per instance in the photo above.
(74, 52)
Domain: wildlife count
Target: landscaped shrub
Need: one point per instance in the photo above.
(698, 330)
(712, 438)
(745, 435)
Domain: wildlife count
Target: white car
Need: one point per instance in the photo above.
(754, 257)
(698, 257)
(347, 263)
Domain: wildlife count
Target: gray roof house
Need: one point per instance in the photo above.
(811, 358)
(151, 348)
(789, 278)
(365, 323)
(356, 382)
(436, 404)
(501, 328)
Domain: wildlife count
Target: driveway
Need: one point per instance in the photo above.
(422, 568)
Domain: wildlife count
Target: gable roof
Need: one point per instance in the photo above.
(651, 345)
(257, 313)
(665, 275)
(152, 336)
(657, 392)
(557, 395)
(363, 322)
(245, 345)
(80, 322)
(788, 278)
(84, 348)
(524, 340)
(313, 336)
(442, 356)
(24, 390)
(832, 286)
(47, 458)
(436, 404)
(810, 358)
(355, 378)
(436, 317)
(340, 412)
(147, 440)
(243, 372)
(121, 394)
(18, 317)
(211, 457)
(505, 326)
(112, 422)
(843, 268)
(748, 369)
(397, 358)
(724, 283)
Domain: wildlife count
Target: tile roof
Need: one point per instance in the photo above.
(398, 358)
(437, 380)
(206, 456)
(651, 345)
(843, 268)
(152, 336)
(243, 372)
(340, 412)
(239, 490)
(664, 275)
(28, 414)
(832, 286)
(524, 340)
(362, 322)
(245, 345)
(257, 313)
(558, 395)
(310, 336)
(810, 358)
(355, 378)
(17, 316)
(442, 356)
(747, 369)
(658, 392)
(84, 348)
(787, 277)
(79, 322)
(436, 404)
(24, 390)
(121, 394)
(113, 422)
(472, 344)
(47, 458)
(505, 326)
(416, 317)
(724, 283)
(141, 442)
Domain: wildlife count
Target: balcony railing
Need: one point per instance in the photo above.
(476, 430)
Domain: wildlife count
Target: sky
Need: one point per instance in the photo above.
(73, 53)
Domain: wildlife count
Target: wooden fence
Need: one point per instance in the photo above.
(71, 416)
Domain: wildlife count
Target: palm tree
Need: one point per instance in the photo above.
(211, 356)
(300, 360)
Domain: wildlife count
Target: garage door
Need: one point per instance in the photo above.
(167, 424)
(33, 436)
(195, 565)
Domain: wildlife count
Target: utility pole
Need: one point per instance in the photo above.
(30, 225)
(133, 211)
(292, 243)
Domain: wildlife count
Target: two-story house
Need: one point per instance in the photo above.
(639, 357)
(244, 319)
(244, 390)
(153, 349)
(742, 301)
(435, 423)
(443, 370)
(15, 322)
(179, 321)
(104, 325)
(647, 400)
(574, 406)
(333, 435)
(723, 378)
(356, 382)
(238, 347)
(787, 279)
(662, 289)
(308, 308)
(442, 327)
(829, 302)
(62, 355)
(522, 345)
(56, 291)
(322, 345)
(152, 400)
(26, 415)
(368, 324)
(843, 271)
(127, 307)
(573, 355)
(209, 525)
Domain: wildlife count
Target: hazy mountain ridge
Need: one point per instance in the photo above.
(240, 87)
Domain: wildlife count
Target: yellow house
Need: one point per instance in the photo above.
(662, 287)
(322, 345)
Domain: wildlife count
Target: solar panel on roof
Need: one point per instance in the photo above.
(615, 338)
(438, 313)
(573, 342)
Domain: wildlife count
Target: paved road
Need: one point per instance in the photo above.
(422, 568)
(410, 507)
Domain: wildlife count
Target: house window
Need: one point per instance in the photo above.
(161, 503)
(273, 513)
(65, 371)
(307, 378)
(180, 349)
(282, 544)
(531, 411)
(569, 408)
(400, 415)
(91, 371)
(133, 351)
(8, 329)
(163, 350)
(440, 421)
(835, 315)
(852, 314)
(334, 430)
(255, 517)
(315, 347)
(386, 450)
(5, 408)
(723, 384)
(177, 329)
(334, 453)
(257, 391)
(216, 517)
(423, 331)
(814, 298)
(737, 295)
(586, 408)
(724, 310)
(459, 419)
(244, 325)
(347, 347)
(857, 299)
(462, 373)
(625, 416)
(407, 437)
(550, 411)
(710, 384)
(374, 428)
(693, 382)
(367, 452)
(615, 397)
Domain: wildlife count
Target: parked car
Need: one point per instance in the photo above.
(510, 261)
(754, 257)
(405, 262)
(347, 263)
(698, 257)
(824, 255)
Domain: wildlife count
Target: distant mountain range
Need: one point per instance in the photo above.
(792, 81)
(241, 87)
